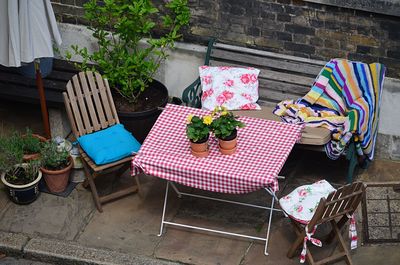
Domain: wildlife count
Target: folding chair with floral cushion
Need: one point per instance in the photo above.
(311, 205)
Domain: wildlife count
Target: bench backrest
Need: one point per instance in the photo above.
(281, 77)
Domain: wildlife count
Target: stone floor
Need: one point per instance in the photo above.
(131, 225)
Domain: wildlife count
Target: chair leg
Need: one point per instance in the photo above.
(297, 243)
(352, 157)
(342, 243)
(93, 188)
(340, 225)
(138, 185)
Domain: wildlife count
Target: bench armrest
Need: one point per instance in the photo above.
(191, 95)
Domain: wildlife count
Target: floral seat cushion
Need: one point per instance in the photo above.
(301, 203)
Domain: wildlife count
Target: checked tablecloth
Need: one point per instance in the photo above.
(263, 147)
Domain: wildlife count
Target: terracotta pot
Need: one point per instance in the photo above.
(227, 145)
(35, 156)
(200, 149)
(57, 180)
(200, 154)
(227, 151)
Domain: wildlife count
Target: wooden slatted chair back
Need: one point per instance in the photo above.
(343, 201)
(89, 104)
(281, 76)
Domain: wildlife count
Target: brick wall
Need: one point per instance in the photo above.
(286, 26)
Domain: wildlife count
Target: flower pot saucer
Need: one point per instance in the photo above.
(227, 151)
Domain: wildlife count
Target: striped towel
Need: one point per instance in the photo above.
(345, 98)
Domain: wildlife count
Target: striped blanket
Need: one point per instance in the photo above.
(345, 98)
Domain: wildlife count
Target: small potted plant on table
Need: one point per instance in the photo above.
(56, 166)
(198, 132)
(225, 127)
(20, 179)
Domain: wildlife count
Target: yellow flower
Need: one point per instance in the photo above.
(224, 113)
(207, 120)
(189, 118)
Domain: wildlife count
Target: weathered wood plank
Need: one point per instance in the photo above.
(255, 61)
(75, 109)
(268, 54)
(88, 98)
(104, 98)
(81, 104)
(271, 74)
(97, 101)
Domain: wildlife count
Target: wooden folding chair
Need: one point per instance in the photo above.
(90, 108)
(339, 205)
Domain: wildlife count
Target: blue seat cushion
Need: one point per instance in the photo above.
(109, 145)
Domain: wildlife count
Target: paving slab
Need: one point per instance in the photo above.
(130, 224)
(63, 252)
(50, 215)
(196, 247)
(12, 243)
(14, 261)
(3, 198)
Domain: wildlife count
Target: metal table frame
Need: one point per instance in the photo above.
(180, 194)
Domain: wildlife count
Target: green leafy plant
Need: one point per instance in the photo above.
(11, 158)
(53, 157)
(224, 123)
(120, 28)
(198, 128)
(30, 143)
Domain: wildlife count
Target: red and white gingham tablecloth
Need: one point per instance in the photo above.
(263, 147)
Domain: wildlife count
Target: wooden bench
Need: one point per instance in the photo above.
(15, 87)
(281, 77)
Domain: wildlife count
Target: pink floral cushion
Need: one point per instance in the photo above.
(301, 203)
(232, 87)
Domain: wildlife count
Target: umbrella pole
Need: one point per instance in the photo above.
(42, 97)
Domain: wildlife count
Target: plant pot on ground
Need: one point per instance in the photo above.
(56, 167)
(225, 126)
(129, 56)
(198, 132)
(31, 145)
(21, 179)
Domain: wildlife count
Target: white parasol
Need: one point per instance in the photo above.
(28, 30)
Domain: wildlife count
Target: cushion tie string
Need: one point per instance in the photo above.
(314, 241)
(352, 231)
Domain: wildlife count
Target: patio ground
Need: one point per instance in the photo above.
(70, 230)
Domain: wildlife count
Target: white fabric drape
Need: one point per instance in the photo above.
(28, 30)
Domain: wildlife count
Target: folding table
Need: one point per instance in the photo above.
(263, 147)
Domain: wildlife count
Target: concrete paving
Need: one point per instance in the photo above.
(69, 230)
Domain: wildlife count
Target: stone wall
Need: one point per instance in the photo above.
(295, 27)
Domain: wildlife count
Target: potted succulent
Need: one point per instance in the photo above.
(129, 56)
(198, 132)
(225, 127)
(20, 179)
(56, 165)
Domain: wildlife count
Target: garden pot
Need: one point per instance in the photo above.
(200, 148)
(35, 156)
(140, 122)
(57, 180)
(22, 194)
(227, 146)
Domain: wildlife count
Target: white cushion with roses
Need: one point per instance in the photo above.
(232, 87)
